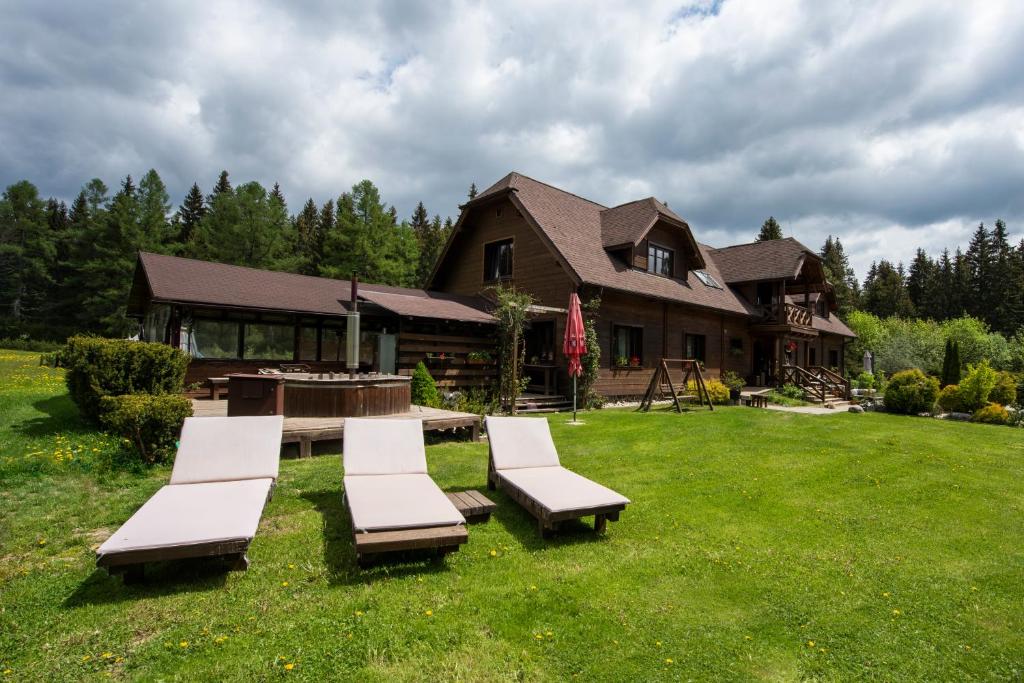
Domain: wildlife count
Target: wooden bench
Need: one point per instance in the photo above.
(216, 384)
(473, 505)
(758, 401)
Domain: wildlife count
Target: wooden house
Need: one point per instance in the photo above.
(763, 310)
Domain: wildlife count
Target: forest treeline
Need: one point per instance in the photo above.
(67, 269)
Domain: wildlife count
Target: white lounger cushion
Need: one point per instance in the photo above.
(559, 489)
(228, 449)
(193, 514)
(521, 442)
(384, 447)
(398, 501)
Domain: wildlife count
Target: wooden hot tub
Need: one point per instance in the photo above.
(319, 395)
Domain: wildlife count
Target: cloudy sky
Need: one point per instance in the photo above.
(891, 124)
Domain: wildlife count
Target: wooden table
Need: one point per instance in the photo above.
(216, 385)
(473, 505)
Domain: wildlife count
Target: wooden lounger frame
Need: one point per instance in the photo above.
(442, 539)
(548, 520)
(131, 563)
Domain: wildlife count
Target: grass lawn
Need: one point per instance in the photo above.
(759, 545)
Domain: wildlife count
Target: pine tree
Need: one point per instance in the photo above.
(1007, 301)
(223, 186)
(770, 230)
(326, 225)
(307, 228)
(154, 205)
(922, 286)
(472, 191)
(979, 261)
(839, 273)
(944, 287)
(425, 238)
(961, 291)
(27, 256)
(190, 215)
(885, 291)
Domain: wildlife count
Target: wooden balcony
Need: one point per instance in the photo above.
(788, 318)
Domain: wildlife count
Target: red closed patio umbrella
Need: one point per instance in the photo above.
(575, 344)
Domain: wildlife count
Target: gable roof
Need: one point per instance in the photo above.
(573, 226)
(172, 279)
(768, 260)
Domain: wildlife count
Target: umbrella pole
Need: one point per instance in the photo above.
(574, 398)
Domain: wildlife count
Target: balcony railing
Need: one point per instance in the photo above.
(791, 314)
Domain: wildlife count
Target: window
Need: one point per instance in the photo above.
(214, 339)
(307, 344)
(833, 358)
(813, 352)
(765, 293)
(627, 346)
(706, 278)
(659, 260)
(696, 347)
(269, 342)
(736, 346)
(498, 260)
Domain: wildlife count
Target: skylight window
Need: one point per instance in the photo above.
(706, 278)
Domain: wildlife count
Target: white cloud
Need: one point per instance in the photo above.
(891, 124)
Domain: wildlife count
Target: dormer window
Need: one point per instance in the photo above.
(659, 260)
(498, 261)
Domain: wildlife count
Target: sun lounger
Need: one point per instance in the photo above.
(524, 464)
(223, 476)
(393, 502)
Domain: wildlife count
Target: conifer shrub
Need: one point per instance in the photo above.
(911, 392)
(977, 386)
(424, 388)
(150, 424)
(1005, 391)
(949, 399)
(99, 367)
(993, 414)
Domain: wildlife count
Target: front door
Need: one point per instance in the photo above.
(762, 355)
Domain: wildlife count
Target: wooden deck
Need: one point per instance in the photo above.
(305, 430)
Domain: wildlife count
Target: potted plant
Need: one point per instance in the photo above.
(634, 362)
(478, 358)
(621, 362)
(735, 384)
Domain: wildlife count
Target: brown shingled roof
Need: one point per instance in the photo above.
(768, 260)
(174, 279)
(573, 226)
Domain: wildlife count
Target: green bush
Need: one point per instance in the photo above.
(977, 385)
(1005, 391)
(791, 391)
(24, 344)
(949, 399)
(424, 388)
(865, 380)
(150, 423)
(112, 367)
(993, 414)
(911, 392)
(717, 392)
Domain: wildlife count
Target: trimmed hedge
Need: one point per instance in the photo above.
(112, 367)
(717, 391)
(911, 392)
(151, 423)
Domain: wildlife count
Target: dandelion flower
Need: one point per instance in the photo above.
(183, 644)
(42, 541)
(668, 661)
(429, 612)
(7, 672)
(291, 566)
(895, 612)
(539, 636)
(549, 633)
(658, 643)
(810, 643)
(494, 553)
(107, 655)
(86, 658)
(289, 666)
(358, 613)
(533, 588)
(284, 583)
(220, 639)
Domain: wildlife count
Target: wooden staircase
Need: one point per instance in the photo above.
(540, 403)
(820, 384)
